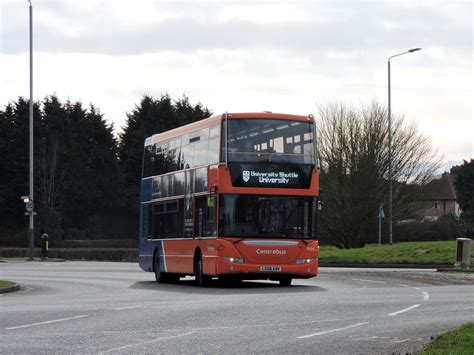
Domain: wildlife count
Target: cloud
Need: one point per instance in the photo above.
(249, 56)
(308, 27)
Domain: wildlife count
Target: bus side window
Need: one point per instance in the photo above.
(148, 161)
(148, 222)
(214, 131)
(200, 153)
(213, 153)
(188, 204)
(166, 219)
(187, 156)
(160, 164)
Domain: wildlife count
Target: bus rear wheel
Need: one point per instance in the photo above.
(201, 279)
(163, 277)
(285, 281)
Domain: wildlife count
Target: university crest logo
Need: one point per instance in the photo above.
(246, 175)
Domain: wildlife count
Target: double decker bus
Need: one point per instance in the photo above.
(233, 196)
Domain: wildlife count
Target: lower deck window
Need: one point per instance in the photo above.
(165, 219)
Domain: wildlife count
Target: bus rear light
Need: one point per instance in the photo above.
(234, 260)
(305, 261)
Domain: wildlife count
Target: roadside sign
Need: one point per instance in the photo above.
(381, 212)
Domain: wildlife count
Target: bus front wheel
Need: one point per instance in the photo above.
(201, 279)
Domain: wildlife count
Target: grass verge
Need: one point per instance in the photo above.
(460, 341)
(424, 253)
(6, 284)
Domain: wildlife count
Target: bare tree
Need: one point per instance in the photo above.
(51, 178)
(50, 185)
(353, 147)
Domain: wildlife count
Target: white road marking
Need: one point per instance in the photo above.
(47, 322)
(426, 296)
(331, 331)
(145, 342)
(403, 310)
(403, 285)
(374, 281)
(129, 307)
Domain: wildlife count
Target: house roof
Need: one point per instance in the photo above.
(441, 189)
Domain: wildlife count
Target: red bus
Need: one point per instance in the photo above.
(233, 196)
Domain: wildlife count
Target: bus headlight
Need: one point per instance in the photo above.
(305, 261)
(234, 260)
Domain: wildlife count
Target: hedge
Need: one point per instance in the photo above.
(101, 254)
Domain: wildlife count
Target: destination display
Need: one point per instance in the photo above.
(270, 175)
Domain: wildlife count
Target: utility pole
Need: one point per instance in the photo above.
(390, 153)
(30, 204)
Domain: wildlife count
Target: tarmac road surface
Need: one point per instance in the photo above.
(115, 308)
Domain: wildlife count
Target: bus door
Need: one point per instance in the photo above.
(188, 204)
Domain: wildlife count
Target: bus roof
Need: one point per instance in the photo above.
(216, 119)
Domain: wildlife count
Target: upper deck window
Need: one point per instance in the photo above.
(257, 140)
(190, 150)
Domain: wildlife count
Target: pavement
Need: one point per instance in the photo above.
(104, 307)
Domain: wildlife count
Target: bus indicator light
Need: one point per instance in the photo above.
(304, 261)
(234, 260)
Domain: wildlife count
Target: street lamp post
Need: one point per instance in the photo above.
(390, 158)
(30, 211)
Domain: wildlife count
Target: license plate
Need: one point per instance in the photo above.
(270, 268)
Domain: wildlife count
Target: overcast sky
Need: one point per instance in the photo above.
(237, 56)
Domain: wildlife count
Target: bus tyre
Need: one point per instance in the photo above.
(160, 276)
(201, 279)
(163, 277)
(285, 281)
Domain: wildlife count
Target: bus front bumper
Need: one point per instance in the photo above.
(305, 270)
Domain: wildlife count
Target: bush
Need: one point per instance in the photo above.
(100, 243)
(74, 234)
(50, 223)
(17, 239)
(112, 227)
(468, 218)
(100, 254)
(447, 227)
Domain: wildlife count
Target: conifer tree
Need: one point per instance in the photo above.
(14, 162)
(149, 117)
(465, 190)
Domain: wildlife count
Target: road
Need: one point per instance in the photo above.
(115, 308)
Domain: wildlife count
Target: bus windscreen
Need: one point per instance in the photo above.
(267, 216)
(269, 140)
